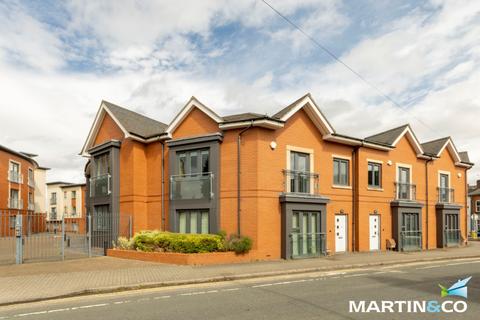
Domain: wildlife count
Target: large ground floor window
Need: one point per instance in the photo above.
(452, 229)
(306, 238)
(193, 221)
(411, 235)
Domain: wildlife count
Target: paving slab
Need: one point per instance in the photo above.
(48, 280)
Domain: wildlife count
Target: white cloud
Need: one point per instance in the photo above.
(154, 67)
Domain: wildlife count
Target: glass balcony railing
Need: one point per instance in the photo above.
(405, 191)
(15, 203)
(15, 176)
(100, 186)
(191, 186)
(411, 240)
(446, 195)
(300, 182)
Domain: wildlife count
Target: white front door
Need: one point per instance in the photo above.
(374, 232)
(340, 233)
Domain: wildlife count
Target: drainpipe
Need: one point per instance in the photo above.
(427, 196)
(355, 172)
(163, 187)
(239, 142)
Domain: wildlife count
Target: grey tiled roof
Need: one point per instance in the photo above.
(432, 148)
(136, 123)
(464, 157)
(475, 192)
(285, 110)
(387, 137)
(244, 117)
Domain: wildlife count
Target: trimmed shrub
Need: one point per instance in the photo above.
(149, 241)
(124, 243)
(238, 244)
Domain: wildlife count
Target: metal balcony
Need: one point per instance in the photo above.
(15, 204)
(14, 176)
(405, 191)
(446, 195)
(301, 182)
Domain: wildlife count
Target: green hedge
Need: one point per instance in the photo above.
(150, 241)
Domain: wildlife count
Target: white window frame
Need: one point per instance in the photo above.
(399, 165)
(20, 180)
(477, 206)
(311, 154)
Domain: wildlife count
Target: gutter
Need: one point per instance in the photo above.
(239, 210)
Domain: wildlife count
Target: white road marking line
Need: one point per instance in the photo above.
(58, 310)
(162, 297)
(231, 289)
(356, 275)
(185, 294)
(460, 263)
(90, 306)
(429, 267)
(30, 314)
(143, 299)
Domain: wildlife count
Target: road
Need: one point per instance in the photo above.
(323, 295)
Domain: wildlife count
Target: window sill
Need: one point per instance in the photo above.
(335, 186)
(375, 189)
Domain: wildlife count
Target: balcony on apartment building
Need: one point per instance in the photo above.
(196, 186)
(100, 186)
(53, 201)
(405, 191)
(31, 206)
(301, 183)
(15, 176)
(15, 204)
(31, 182)
(446, 195)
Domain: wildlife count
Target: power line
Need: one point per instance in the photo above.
(336, 58)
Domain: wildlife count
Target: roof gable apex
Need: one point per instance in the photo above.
(408, 132)
(313, 111)
(191, 104)
(97, 123)
(450, 146)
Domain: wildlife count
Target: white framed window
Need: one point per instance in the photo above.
(14, 172)
(477, 206)
(193, 221)
(300, 170)
(374, 175)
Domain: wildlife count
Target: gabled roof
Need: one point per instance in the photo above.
(135, 123)
(58, 182)
(191, 104)
(132, 124)
(435, 148)
(392, 137)
(313, 111)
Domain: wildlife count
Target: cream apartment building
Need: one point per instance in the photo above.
(65, 200)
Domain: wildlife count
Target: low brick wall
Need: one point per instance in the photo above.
(183, 258)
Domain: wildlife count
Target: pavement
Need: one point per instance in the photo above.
(50, 280)
(315, 295)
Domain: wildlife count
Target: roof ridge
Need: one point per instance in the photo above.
(389, 130)
(280, 113)
(436, 140)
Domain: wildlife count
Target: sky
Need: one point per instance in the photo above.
(59, 59)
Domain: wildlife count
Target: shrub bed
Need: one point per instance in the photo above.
(156, 241)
